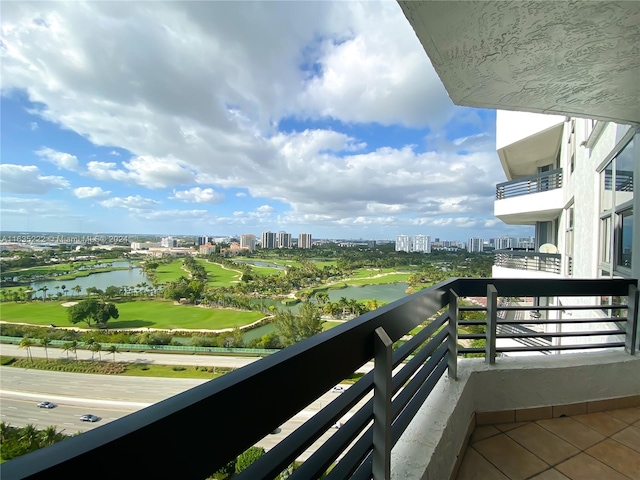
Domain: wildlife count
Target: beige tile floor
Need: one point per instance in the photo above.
(593, 446)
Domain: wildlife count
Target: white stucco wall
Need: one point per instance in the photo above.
(511, 127)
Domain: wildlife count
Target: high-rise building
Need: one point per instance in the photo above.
(503, 243)
(403, 243)
(304, 240)
(168, 242)
(284, 240)
(422, 243)
(203, 240)
(475, 245)
(248, 241)
(269, 240)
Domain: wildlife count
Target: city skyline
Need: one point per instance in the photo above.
(333, 123)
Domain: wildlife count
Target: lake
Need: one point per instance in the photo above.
(119, 278)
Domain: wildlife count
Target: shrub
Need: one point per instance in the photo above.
(246, 458)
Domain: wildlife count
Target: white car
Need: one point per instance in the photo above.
(338, 389)
(46, 405)
(89, 418)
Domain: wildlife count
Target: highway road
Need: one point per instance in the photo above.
(109, 397)
(147, 357)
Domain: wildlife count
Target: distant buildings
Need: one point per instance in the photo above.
(417, 243)
(475, 245)
(284, 240)
(269, 240)
(168, 242)
(304, 240)
(248, 241)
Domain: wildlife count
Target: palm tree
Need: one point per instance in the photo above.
(77, 289)
(71, 346)
(113, 349)
(49, 436)
(29, 436)
(45, 342)
(27, 343)
(64, 290)
(44, 293)
(95, 347)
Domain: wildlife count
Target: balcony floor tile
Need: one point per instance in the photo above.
(510, 457)
(476, 467)
(618, 456)
(630, 437)
(542, 443)
(576, 433)
(565, 448)
(601, 422)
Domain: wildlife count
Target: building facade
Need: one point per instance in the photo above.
(422, 243)
(284, 240)
(269, 240)
(248, 241)
(475, 245)
(304, 240)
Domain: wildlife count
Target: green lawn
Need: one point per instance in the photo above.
(59, 267)
(133, 314)
(217, 276)
(390, 278)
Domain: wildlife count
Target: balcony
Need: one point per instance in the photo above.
(407, 418)
(530, 199)
(515, 263)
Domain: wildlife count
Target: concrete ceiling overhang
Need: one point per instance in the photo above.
(558, 57)
(525, 156)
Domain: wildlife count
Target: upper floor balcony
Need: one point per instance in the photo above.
(526, 264)
(406, 418)
(530, 199)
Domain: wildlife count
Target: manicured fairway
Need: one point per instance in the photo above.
(217, 275)
(390, 278)
(136, 314)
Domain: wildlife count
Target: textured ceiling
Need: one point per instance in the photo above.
(568, 58)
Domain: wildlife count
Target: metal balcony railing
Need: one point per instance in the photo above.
(533, 261)
(193, 434)
(540, 182)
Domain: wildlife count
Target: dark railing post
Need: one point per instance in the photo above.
(492, 323)
(452, 360)
(631, 338)
(382, 370)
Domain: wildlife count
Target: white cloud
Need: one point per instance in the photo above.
(131, 202)
(201, 97)
(27, 179)
(154, 172)
(198, 195)
(33, 126)
(90, 192)
(61, 160)
(24, 206)
(106, 171)
(173, 215)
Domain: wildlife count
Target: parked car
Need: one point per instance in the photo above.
(338, 389)
(46, 405)
(89, 418)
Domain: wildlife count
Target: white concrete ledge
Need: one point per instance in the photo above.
(429, 448)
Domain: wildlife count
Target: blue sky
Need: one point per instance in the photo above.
(226, 118)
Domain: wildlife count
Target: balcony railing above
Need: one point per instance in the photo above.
(540, 182)
(195, 433)
(532, 261)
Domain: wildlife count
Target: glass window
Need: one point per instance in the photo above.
(606, 187)
(626, 239)
(624, 175)
(605, 240)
